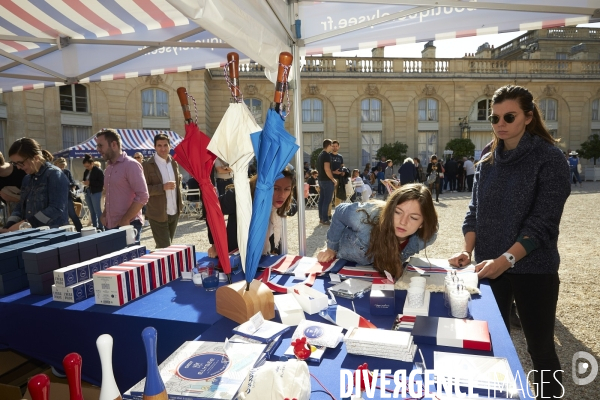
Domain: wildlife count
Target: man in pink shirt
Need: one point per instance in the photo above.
(124, 183)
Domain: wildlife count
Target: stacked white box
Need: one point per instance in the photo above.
(69, 276)
(72, 294)
(133, 279)
(110, 287)
(394, 345)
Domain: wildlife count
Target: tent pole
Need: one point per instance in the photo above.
(297, 106)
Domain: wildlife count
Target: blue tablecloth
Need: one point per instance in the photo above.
(482, 307)
(48, 330)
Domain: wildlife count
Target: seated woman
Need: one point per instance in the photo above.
(281, 206)
(384, 234)
(360, 187)
(44, 191)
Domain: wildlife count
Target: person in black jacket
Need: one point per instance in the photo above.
(434, 169)
(450, 174)
(62, 164)
(408, 172)
(93, 179)
(282, 207)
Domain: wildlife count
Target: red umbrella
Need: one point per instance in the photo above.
(195, 158)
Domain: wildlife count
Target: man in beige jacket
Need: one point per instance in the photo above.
(164, 186)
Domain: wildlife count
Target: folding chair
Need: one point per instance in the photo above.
(190, 208)
(389, 185)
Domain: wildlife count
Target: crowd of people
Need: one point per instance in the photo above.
(510, 229)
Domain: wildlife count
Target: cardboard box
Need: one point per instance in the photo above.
(312, 301)
(133, 279)
(290, 311)
(24, 246)
(71, 275)
(41, 284)
(68, 252)
(110, 288)
(41, 260)
(87, 248)
(8, 260)
(382, 298)
(70, 294)
(13, 282)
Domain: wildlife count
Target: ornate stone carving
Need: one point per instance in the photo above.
(250, 90)
(489, 90)
(313, 89)
(154, 80)
(372, 89)
(549, 91)
(429, 90)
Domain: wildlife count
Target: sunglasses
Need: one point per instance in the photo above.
(508, 118)
(19, 164)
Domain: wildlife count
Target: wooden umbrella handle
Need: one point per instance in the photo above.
(285, 60)
(233, 59)
(182, 94)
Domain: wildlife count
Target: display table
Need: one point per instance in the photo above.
(46, 330)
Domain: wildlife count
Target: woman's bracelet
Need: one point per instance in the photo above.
(466, 252)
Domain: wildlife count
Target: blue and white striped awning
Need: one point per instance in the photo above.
(132, 141)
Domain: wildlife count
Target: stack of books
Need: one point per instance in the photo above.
(394, 345)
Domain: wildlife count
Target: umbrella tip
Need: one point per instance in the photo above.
(247, 286)
(229, 278)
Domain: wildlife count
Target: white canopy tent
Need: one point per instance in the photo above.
(56, 42)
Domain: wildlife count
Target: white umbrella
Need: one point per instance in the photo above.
(231, 142)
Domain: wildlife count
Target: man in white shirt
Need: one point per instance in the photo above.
(164, 186)
(469, 172)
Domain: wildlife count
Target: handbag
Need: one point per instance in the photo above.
(579, 169)
(432, 178)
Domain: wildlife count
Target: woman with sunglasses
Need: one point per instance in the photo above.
(44, 191)
(519, 192)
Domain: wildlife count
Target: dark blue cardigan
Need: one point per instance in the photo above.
(522, 193)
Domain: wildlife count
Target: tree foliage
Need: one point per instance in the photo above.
(461, 148)
(313, 158)
(590, 149)
(395, 152)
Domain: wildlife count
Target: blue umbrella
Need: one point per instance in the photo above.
(274, 147)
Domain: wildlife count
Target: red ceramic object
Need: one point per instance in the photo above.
(39, 387)
(302, 349)
(361, 368)
(72, 365)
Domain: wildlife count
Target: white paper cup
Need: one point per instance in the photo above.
(415, 296)
(418, 281)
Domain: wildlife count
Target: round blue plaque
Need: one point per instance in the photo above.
(313, 332)
(204, 366)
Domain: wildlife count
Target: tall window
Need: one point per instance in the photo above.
(428, 110)
(155, 103)
(371, 142)
(370, 110)
(548, 108)
(312, 110)
(3, 136)
(73, 135)
(595, 104)
(312, 142)
(73, 98)
(255, 106)
(483, 109)
(427, 145)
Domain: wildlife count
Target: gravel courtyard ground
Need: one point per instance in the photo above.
(577, 320)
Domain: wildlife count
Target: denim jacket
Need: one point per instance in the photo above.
(43, 198)
(349, 233)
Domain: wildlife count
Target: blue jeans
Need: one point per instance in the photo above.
(325, 197)
(575, 173)
(93, 202)
(73, 215)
